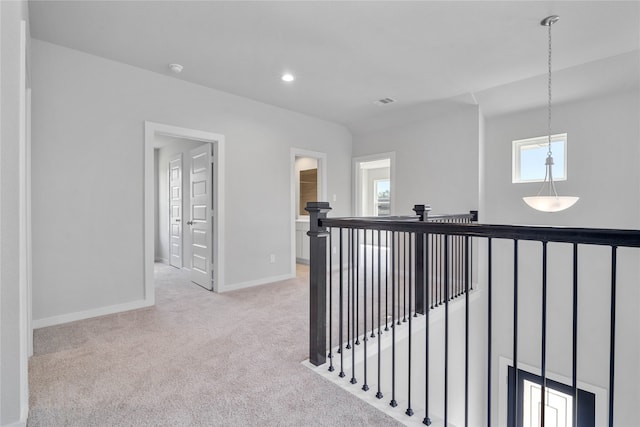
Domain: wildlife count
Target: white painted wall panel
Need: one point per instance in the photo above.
(603, 157)
(436, 161)
(88, 116)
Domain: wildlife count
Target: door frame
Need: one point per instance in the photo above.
(217, 141)
(355, 179)
(322, 194)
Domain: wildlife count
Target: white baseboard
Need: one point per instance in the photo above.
(258, 282)
(16, 424)
(80, 315)
(161, 260)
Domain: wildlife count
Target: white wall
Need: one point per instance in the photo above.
(13, 329)
(436, 161)
(162, 225)
(88, 158)
(603, 155)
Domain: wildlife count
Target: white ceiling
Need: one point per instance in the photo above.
(428, 55)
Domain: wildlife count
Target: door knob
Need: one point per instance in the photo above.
(190, 222)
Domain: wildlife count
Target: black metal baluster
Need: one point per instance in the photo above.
(446, 331)
(433, 269)
(372, 281)
(489, 325)
(404, 275)
(386, 283)
(427, 309)
(340, 331)
(612, 344)
(379, 393)
(515, 328)
(365, 386)
(466, 331)
(393, 402)
(471, 265)
(357, 287)
(409, 411)
(543, 356)
(349, 270)
(459, 265)
(331, 368)
(398, 279)
(354, 266)
(574, 374)
(439, 271)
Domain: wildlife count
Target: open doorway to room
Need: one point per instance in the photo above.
(184, 210)
(174, 231)
(373, 178)
(308, 184)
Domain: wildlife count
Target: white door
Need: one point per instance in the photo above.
(200, 210)
(175, 210)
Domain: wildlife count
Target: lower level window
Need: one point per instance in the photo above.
(559, 403)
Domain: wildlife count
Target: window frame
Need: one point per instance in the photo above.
(586, 403)
(516, 150)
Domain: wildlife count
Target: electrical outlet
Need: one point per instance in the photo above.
(272, 258)
(335, 197)
(335, 250)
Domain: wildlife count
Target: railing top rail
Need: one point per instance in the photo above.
(592, 236)
(450, 216)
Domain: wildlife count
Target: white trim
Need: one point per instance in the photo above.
(24, 309)
(218, 142)
(87, 314)
(322, 173)
(29, 230)
(355, 179)
(257, 282)
(602, 396)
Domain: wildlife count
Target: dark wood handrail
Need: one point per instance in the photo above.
(591, 236)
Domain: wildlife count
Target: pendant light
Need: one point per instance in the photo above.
(549, 201)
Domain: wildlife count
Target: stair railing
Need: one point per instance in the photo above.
(383, 272)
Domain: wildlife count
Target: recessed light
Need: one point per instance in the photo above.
(176, 68)
(288, 77)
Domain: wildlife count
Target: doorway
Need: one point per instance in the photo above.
(374, 185)
(184, 206)
(308, 184)
(186, 141)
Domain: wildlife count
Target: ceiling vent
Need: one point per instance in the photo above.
(384, 101)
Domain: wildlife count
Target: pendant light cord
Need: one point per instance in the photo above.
(549, 92)
(549, 161)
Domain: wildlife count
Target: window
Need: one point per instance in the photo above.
(381, 197)
(529, 157)
(558, 403)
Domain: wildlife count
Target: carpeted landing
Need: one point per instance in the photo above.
(194, 359)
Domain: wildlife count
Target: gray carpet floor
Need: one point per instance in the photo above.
(194, 359)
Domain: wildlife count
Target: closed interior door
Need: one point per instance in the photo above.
(175, 210)
(200, 211)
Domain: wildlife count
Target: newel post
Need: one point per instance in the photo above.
(318, 282)
(420, 274)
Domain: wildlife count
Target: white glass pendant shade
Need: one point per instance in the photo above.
(550, 203)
